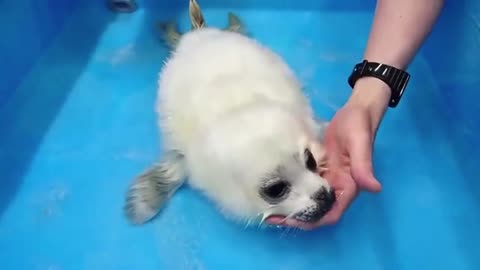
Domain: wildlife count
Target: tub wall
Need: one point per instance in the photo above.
(268, 4)
(452, 49)
(453, 52)
(28, 27)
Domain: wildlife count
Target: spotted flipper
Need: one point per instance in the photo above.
(150, 191)
(196, 17)
(170, 34)
(234, 24)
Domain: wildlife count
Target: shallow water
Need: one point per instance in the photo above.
(82, 125)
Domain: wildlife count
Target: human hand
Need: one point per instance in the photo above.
(349, 142)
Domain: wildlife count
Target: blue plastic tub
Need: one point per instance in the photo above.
(77, 90)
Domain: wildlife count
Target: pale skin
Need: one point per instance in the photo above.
(399, 29)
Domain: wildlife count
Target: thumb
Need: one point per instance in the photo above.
(361, 163)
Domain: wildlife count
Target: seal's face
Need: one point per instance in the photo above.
(269, 172)
(295, 193)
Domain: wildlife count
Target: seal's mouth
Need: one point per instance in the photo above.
(279, 220)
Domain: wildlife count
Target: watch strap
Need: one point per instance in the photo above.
(395, 78)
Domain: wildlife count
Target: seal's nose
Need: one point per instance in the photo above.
(325, 199)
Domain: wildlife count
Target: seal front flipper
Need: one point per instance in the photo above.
(150, 191)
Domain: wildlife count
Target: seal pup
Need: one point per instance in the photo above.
(237, 127)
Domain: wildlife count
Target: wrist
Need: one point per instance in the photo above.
(372, 95)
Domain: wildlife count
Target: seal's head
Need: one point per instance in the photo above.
(295, 193)
(263, 164)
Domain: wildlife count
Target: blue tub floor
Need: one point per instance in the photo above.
(82, 125)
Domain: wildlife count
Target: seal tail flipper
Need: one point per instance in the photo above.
(196, 16)
(170, 34)
(150, 191)
(235, 24)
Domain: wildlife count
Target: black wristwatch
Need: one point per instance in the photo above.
(395, 78)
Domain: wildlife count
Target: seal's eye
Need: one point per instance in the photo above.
(276, 190)
(310, 162)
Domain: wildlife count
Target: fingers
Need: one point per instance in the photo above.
(361, 163)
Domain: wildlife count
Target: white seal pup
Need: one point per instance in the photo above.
(237, 127)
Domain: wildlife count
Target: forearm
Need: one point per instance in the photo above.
(399, 28)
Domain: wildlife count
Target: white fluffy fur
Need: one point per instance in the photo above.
(235, 110)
